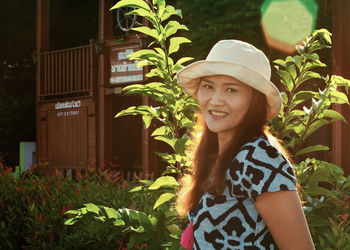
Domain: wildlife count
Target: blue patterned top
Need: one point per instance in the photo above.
(231, 220)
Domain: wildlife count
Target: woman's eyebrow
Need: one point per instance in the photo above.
(205, 80)
(232, 84)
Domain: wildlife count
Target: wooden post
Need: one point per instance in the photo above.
(100, 100)
(42, 44)
(341, 66)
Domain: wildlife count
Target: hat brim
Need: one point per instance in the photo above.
(189, 78)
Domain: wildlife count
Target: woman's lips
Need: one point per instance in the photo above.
(217, 115)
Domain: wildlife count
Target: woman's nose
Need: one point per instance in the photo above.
(216, 99)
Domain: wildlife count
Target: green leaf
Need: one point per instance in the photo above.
(73, 212)
(183, 60)
(168, 12)
(339, 97)
(172, 27)
(294, 114)
(145, 54)
(306, 76)
(280, 62)
(178, 66)
(166, 139)
(286, 79)
(316, 125)
(301, 97)
(131, 3)
(163, 198)
(161, 7)
(334, 115)
(148, 31)
(340, 81)
(315, 191)
(180, 145)
(118, 223)
(92, 208)
(163, 181)
(312, 149)
(175, 43)
(144, 13)
(163, 130)
(70, 221)
(136, 189)
(147, 119)
(111, 213)
(138, 110)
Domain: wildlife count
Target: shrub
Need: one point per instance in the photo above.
(32, 211)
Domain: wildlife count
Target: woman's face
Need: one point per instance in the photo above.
(224, 101)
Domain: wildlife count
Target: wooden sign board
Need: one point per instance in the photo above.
(121, 70)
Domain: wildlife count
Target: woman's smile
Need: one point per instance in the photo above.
(217, 115)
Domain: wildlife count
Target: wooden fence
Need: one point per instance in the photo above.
(67, 71)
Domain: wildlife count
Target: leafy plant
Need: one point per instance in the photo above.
(174, 110)
(156, 227)
(323, 187)
(32, 209)
(325, 193)
(299, 118)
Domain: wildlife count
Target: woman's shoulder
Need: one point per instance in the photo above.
(262, 148)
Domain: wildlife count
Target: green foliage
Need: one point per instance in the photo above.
(174, 110)
(156, 227)
(32, 211)
(305, 111)
(323, 187)
(325, 192)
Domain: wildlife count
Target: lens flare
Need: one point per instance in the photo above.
(287, 23)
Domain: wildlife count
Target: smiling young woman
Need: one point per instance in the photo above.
(242, 193)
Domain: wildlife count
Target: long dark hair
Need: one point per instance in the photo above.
(209, 165)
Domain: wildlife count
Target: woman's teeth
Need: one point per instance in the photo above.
(218, 113)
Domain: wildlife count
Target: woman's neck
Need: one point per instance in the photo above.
(224, 139)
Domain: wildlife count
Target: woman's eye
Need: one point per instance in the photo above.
(231, 90)
(207, 86)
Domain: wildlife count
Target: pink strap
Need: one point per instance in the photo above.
(187, 237)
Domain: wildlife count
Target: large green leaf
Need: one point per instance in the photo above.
(172, 27)
(340, 81)
(334, 115)
(92, 208)
(339, 97)
(286, 79)
(169, 11)
(301, 97)
(131, 3)
(145, 54)
(111, 213)
(163, 181)
(163, 130)
(178, 65)
(138, 110)
(180, 145)
(175, 43)
(306, 76)
(168, 140)
(312, 149)
(315, 191)
(148, 31)
(147, 119)
(161, 7)
(315, 126)
(163, 198)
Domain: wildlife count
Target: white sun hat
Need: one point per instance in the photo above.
(240, 60)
